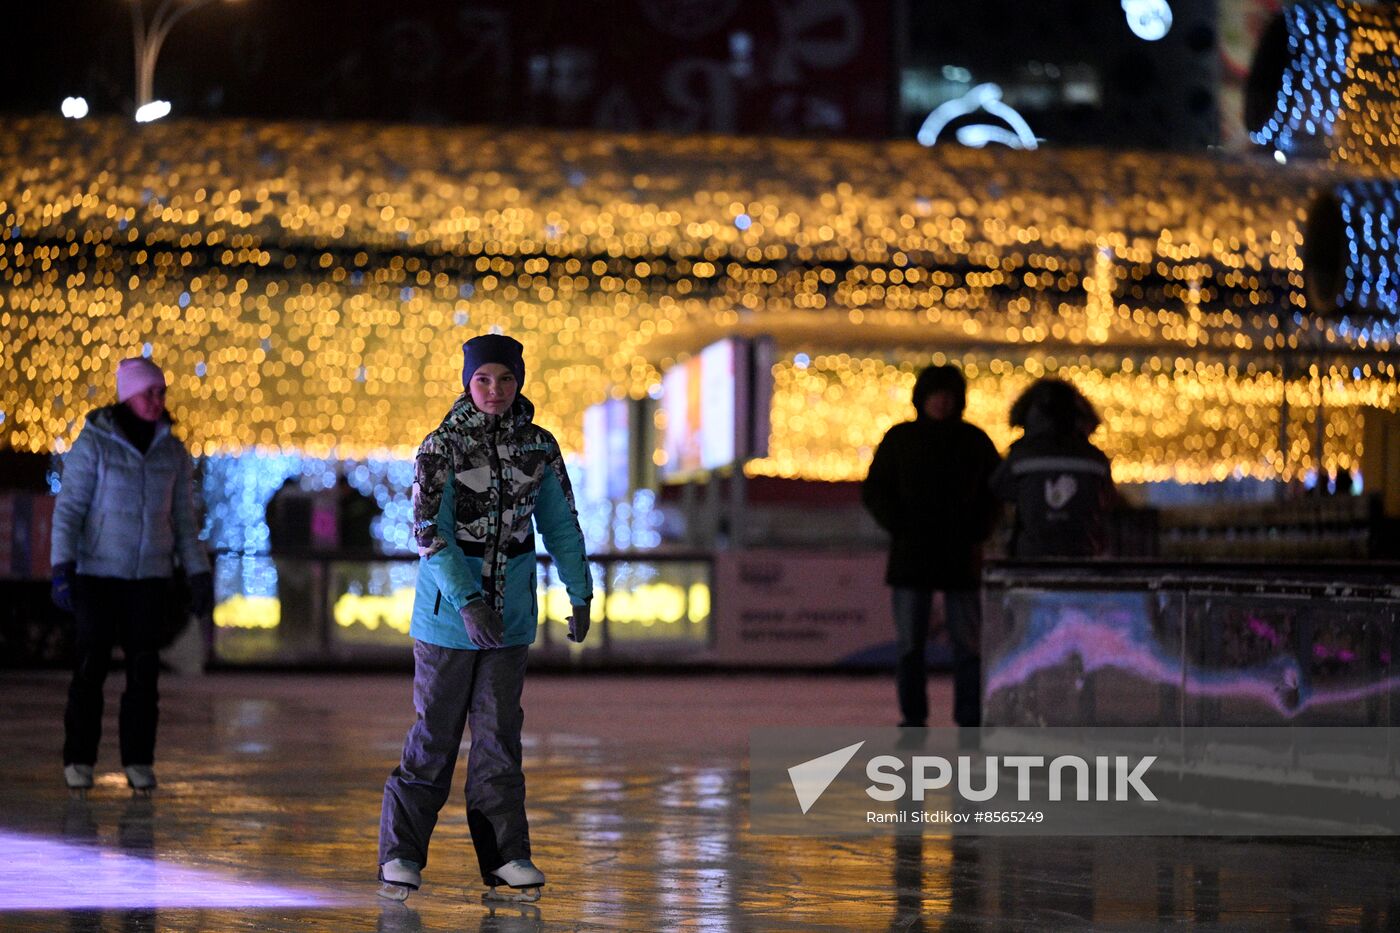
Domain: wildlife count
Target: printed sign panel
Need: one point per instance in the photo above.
(812, 609)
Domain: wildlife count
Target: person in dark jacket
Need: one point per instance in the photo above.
(289, 520)
(928, 486)
(1059, 482)
(124, 514)
(483, 482)
(355, 513)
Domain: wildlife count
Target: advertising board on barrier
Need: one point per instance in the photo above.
(802, 609)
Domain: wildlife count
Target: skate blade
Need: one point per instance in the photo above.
(513, 911)
(141, 793)
(78, 793)
(393, 892)
(508, 895)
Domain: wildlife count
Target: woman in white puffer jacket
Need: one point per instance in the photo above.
(124, 514)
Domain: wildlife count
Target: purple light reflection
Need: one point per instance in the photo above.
(1123, 640)
(43, 874)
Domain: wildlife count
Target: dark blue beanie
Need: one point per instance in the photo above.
(493, 348)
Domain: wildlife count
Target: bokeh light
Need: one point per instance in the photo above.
(308, 287)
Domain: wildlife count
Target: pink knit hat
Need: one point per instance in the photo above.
(135, 376)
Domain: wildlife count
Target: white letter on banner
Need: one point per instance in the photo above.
(1134, 778)
(965, 783)
(922, 783)
(875, 771)
(1081, 769)
(1023, 765)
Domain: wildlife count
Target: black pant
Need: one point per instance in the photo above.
(912, 611)
(130, 613)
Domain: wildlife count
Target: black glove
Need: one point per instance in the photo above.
(579, 622)
(483, 624)
(201, 594)
(61, 591)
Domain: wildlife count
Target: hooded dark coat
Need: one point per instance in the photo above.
(1060, 483)
(928, 486)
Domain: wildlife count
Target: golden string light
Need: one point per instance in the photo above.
(309, 287)
(1368, 124)
(1164, 418)
(1330, 68)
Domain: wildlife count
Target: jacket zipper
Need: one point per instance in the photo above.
(502, 534)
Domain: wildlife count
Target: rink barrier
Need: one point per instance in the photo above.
(1141, 643)
(344, 609)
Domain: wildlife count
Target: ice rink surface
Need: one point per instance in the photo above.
(267, 814)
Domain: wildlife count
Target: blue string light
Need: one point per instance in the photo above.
(1310, 93)
(237, 488)
(1370, 212)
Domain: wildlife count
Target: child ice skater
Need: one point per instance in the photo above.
(477, 481)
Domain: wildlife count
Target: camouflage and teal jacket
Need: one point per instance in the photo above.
(478, 481)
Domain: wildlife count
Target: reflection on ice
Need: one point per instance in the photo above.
(44, 874)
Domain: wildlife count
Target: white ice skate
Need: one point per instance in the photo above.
(79, 780)
(141, 779)
(523, 882)
(399, 878)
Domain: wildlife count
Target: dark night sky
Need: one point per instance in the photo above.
(817, 67)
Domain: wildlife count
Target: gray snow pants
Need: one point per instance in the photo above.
(451, 687)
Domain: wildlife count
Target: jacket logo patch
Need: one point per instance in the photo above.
(1060, 490)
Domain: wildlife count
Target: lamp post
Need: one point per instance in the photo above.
(148, 38)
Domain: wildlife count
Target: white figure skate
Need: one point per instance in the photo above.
(399, 878)
(141, 779)
(523, 882)
(79, 780)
